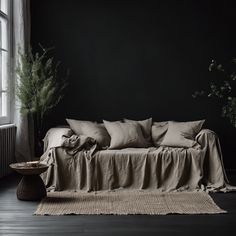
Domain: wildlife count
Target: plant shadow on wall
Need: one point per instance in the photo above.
(39, 89)
(222, 88)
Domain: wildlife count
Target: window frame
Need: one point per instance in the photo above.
(8, 17)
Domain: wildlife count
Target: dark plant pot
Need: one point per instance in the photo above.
(36, 137)
(38, 146)
(31, 135)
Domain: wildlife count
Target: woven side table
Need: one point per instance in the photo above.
(31, 186)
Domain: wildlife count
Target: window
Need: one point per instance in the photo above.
(5, 27)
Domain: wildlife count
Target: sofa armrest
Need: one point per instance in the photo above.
(203, 134)
(213, 160)
(54, 137)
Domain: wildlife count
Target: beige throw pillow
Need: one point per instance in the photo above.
(159, 130)
(182, 134)
(90, 129)
(124, 135)
(146, 126)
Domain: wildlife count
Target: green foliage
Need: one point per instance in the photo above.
(38, 88)
(223, 89)
(229, 110)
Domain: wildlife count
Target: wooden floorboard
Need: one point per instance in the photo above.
(16, 218)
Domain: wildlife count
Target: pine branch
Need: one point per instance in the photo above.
(38, 88)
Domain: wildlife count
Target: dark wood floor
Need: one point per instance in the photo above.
(16, 217)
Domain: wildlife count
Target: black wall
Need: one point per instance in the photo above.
(138, 60)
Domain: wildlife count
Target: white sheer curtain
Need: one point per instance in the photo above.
(21, 38)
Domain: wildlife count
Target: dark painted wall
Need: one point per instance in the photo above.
(138, 60)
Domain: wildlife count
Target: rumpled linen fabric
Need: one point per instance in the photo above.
(76, 164)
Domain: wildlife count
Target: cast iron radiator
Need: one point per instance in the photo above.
(7, 148)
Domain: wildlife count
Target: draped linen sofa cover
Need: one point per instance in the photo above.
(162, 168)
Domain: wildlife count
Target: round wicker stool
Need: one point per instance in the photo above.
(31, 186)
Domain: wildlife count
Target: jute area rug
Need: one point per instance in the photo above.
(127, 202)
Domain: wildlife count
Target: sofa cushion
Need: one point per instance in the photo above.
(159, 130)
(90, 129)
(124, 135)
(182, 134)
(146, 126)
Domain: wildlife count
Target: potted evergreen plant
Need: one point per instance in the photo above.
(222, 88)
(39, 89)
